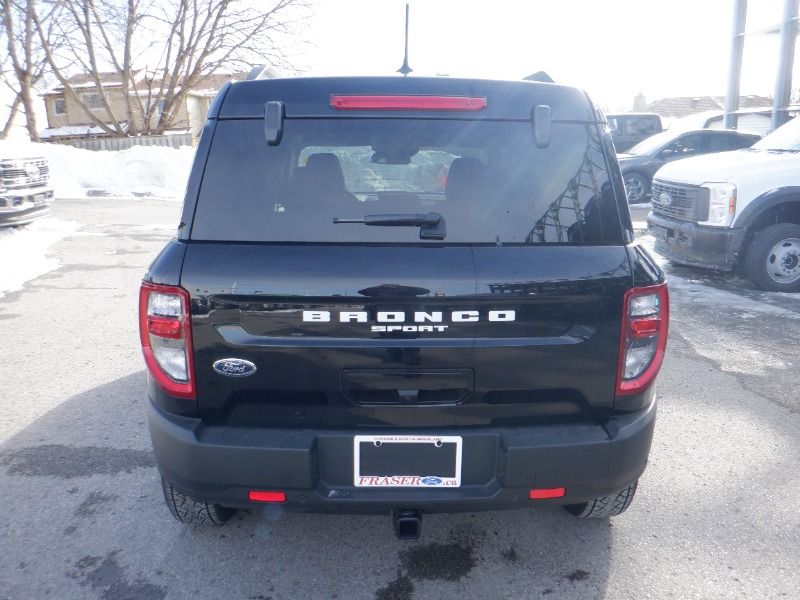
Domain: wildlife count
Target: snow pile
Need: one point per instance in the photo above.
(155, 171)
(152, 171)
(24, 251)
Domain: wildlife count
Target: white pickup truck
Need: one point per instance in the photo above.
(25, 190)
(734, 210)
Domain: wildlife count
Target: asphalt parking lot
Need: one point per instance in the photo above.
(82, 515)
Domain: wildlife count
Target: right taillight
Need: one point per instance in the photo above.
(644, 337)
(166, 336)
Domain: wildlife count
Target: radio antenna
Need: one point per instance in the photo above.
(405, 69)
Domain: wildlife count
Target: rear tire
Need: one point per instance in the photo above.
(194, 511)
(604, 506)
(772, 261)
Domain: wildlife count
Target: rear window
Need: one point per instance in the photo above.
(634, 125)
(487, 180)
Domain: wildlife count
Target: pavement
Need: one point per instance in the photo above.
(82, 514)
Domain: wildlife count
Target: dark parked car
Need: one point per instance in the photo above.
(389, 295)
(642, 161)
(628, 129)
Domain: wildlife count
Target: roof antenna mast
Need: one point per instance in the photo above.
(405, 69)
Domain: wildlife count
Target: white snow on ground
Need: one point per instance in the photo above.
(151, 171)
(155, 171)
(23, 251)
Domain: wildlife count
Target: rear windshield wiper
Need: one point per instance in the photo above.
(432, 225)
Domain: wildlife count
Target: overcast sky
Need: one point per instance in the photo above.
(612, 48)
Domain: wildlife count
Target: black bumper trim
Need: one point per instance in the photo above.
(314, 468)
(688, 243)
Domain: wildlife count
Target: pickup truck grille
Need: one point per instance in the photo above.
(686, 202)
(18, 174)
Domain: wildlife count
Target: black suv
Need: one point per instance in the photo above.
(404, 295)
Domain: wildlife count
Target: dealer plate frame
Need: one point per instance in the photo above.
(407, 480)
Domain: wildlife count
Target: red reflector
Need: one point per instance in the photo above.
(261, 496)
(641, 328)
(544, 493)
(461, 103)
(164, 327)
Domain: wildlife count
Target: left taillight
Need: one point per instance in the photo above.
(166, 335)
(644, 337)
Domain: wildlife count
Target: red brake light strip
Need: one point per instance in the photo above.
(446, 103)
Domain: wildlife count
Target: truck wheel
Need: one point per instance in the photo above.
(772, 261)
(636, 187)
(605, 506)
(194, 511)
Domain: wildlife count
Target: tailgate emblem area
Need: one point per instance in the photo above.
(234, 367)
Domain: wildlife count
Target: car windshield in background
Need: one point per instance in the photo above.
(639, 125)
(653, 143)
(786, 138)
(486, 179)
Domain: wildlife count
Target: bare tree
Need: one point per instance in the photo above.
(9, 89)
(87, 29)
(13, 108)
(160, 50)
(25, 58)
(206, 36)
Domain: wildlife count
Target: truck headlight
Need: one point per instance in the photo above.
(721, 204)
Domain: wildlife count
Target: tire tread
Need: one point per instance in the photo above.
(194, 511)
(605, 506)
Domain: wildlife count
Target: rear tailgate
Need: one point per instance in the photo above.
(397, 336)
(406, 267)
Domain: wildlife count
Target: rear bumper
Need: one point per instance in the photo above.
(315, 468)
(688, 243)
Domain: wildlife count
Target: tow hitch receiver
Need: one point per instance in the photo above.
(407, 523)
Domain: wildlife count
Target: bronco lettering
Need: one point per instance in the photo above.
(456, 316)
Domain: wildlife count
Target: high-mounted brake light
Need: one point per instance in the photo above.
(166, 335)
(452, 103)
(645, 322)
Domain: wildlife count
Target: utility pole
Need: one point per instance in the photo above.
(735, 67)
(783, 81)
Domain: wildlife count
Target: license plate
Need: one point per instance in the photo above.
(407, 461)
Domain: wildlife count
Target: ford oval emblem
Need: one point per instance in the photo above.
(430, 480)
(665, 199)
(234, 367)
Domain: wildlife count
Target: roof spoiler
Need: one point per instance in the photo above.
(261, 72)
(539, 76)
